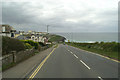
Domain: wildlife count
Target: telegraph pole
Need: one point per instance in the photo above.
(71, 37)
(47, 28)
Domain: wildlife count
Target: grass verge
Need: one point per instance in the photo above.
(111, 54)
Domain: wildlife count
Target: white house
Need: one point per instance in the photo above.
(39, 38)
(7, 30)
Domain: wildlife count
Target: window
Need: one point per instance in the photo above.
(3, 29)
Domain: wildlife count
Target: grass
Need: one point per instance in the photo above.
(56, 38)
(5, 67)
(110, 54)
(56, 46)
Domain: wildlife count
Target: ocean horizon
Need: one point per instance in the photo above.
(90, 37)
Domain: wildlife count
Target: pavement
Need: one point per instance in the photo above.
(65, 62)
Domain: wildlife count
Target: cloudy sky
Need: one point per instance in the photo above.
(62, 15)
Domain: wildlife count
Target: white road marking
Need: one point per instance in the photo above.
(68, 50)
(75, 56)
(85, 64)
(71, 52)
(100, 78)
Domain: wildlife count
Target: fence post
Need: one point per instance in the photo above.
(14, 56)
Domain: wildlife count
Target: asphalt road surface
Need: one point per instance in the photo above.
(69, 62)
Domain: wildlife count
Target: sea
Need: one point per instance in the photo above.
(90, 37)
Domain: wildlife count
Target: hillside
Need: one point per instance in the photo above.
(56, 38)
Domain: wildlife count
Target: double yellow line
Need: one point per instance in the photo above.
(39, 67)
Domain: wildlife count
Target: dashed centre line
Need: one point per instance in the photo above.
(85, 64)
(100, 78)
(75, 56)
(71, 52)
(80, 60)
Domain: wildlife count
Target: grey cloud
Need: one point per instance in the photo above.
(16, 14)
(37, 16)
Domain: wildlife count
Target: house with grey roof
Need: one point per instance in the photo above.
(22, 37)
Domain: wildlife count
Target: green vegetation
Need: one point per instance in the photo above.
(41, 44)
(56, 38)
(32, 43)
(11, 44)
(50, 45)
(4, 67)
(28, 46)
(56, 46)
(109, 49)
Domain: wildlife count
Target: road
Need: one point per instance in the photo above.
(70, 62)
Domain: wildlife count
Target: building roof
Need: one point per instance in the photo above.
(37, 35)
(17, 33)
(8, 28)
(21, 37)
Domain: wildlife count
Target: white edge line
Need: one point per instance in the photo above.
(85, 64)
(99, 55)
(100, 78)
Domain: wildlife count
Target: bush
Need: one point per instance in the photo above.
(28, 46)
(36, 45)
(32, 43)
(11, 44)
(41, 44)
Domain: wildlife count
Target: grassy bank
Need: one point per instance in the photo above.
(109, 49)
(56, 38)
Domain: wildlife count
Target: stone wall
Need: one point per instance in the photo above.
(23, 55)
(15, 57)
(6, 60)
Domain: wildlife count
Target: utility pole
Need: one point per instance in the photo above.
(47, 28)
(72, 36)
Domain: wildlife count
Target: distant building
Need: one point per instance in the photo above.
(32, 35)
(21, 37)
(17, 34)
(37, 38)
(21, 32)
(7, 30)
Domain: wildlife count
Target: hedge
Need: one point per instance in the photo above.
(11, 44)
